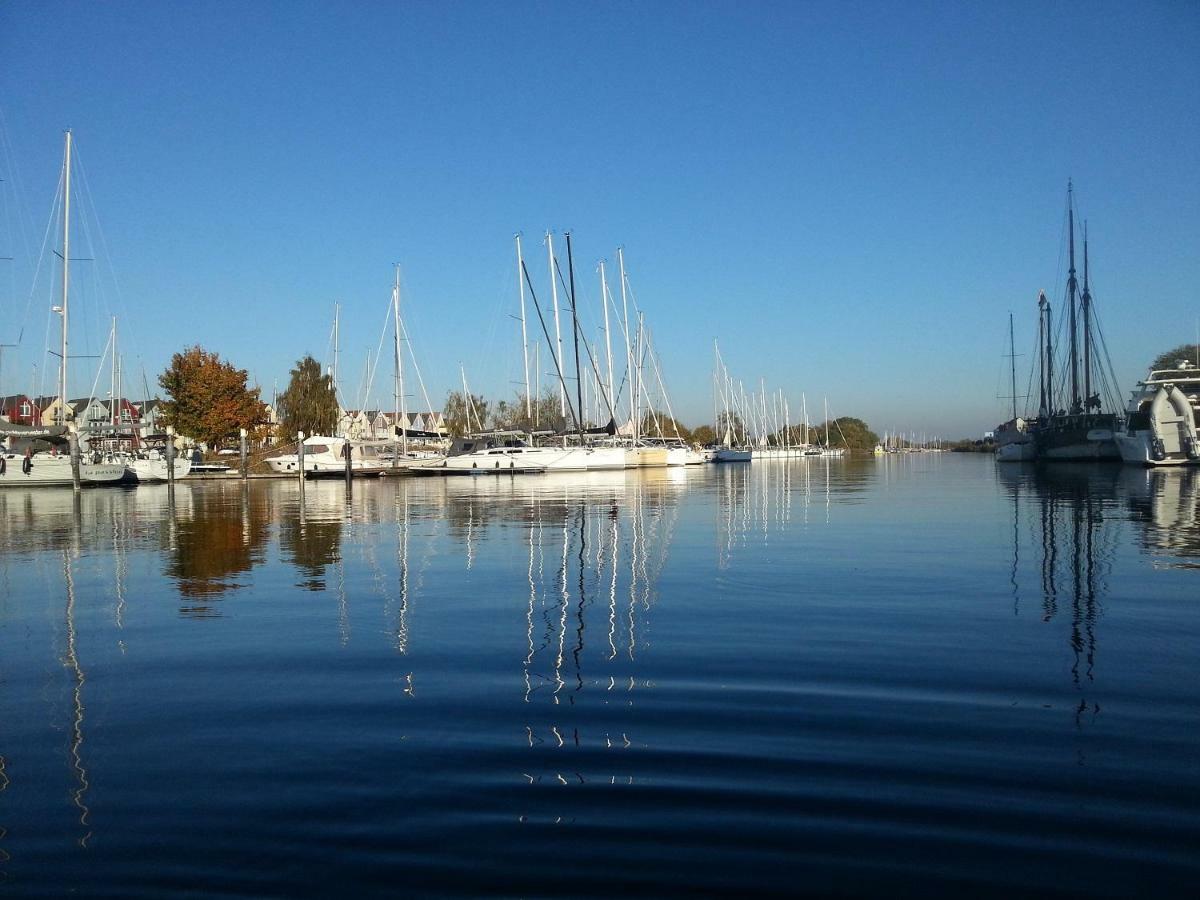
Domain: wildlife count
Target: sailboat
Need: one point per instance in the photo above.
(1071, 423)
(1014, 438)
(37, 465)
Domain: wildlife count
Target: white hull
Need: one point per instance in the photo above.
(52, 471)
(1137, 449)
(1017, 451)
(149, 470)
(645, 457)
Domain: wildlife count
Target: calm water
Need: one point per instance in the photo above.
(908, 675)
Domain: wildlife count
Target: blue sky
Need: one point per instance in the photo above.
(851, 197)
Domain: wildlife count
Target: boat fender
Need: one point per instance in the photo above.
(26, 465)
(1189, 446)
(3, 465)
(1157, 449)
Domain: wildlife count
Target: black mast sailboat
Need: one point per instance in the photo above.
(1071, 423)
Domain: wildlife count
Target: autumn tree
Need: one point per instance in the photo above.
(309, 403)
(208, 399)
(703, 435)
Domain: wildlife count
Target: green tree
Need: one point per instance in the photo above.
(465, 413)
(208, 399)
(704, 435)
(309, 403)
(846, 431)
(1171, 359)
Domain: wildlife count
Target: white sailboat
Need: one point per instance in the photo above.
(54, 466)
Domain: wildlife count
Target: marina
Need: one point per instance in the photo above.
(754, 663)
(616, 450)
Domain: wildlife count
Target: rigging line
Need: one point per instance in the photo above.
(20, 215)
(413, 356)
(129, 329)
(542, 320)
(54, 213)
(387, 319)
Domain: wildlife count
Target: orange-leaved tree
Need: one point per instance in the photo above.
(208, 398)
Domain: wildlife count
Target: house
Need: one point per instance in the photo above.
(149, 413)
(128, 415)
(19, 409)
(89, 413)
(52, 410)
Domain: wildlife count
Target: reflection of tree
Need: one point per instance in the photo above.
(224, 536)
(311, 547)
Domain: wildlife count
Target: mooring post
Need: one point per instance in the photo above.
(300, 457)
(73, 443)
(242, 448)
(346, 451)
(171, 456)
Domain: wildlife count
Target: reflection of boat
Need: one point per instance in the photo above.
(1167, 503)
(1160, 425)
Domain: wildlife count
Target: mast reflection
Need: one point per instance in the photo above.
(1074, 524)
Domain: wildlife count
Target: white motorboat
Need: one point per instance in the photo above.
(1161, 419)
(323, 456)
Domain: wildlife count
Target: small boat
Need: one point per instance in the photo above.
(1161, 419)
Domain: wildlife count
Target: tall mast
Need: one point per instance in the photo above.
(1012, 358)
(112, 385)
(66, 258)
(524, 335)
(1086, 303)
(562, 384)
(1048, 365)
(628, 350)
(337, 315)
(400, 403)
(1071, 287)
(575, 333)
(607, 337)
(1042, 409)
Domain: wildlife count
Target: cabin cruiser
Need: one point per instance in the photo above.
(1161, 419)
(324, 456)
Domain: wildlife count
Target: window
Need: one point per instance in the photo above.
(26, 409)
(125, 417)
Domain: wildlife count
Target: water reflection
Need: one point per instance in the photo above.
(1071, 517)
(218, 532)
(1166, 504)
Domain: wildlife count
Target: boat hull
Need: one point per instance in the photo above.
(55, 471)
(1137, 449)
(729, 454)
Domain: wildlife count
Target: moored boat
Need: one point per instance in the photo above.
(1161, 419)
